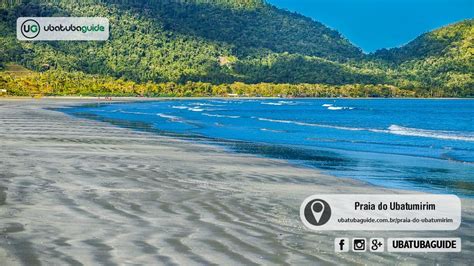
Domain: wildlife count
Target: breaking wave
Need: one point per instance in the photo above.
(392, 129)
(171, 117)
(279, 103)
(312, 124)
(335, 108)
(437, 134)
(223, 116)
(179, 107)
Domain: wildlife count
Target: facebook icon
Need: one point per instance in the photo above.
(341, 244)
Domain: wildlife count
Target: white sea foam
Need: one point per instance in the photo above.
(196, 109)
(335, 108)
(224, 116)
(217, 101)
(204, 104)
(311, 124)
(393, 129)
(279, 103)
(288, 102)
(437, 134)
(327, 105)
(133, 113)
(272, 130)
(179, 107)
(171, 117)
(193, 108)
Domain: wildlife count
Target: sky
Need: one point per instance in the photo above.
(376, 24)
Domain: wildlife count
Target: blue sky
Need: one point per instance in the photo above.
(376, 24)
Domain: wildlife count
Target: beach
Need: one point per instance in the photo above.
(78, 191)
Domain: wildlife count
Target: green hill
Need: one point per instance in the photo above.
(228, 41)
(438, 60)
(172, 41)
(454, 40)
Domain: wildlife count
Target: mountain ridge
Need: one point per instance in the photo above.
(236, 41)
(447, 36)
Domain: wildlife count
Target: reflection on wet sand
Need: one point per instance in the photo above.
(74, 190)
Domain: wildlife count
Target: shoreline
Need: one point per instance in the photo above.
(136, 98)
(242, 146)
(84, 190)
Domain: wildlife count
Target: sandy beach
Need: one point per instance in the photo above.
(77, 191)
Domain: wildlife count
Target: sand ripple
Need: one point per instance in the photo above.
(76, 191)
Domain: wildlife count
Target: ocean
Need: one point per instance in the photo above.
(417, 144)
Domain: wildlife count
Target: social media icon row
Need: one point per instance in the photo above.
(342, 244)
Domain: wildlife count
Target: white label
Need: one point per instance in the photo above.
(62, 28)
(420, 212)
(424, 244)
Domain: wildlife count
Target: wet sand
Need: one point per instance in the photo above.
(76, 191)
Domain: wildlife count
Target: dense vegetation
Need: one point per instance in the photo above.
(61, 83)
(441, 59)
(183, 43)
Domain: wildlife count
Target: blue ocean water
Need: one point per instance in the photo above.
(425, 145)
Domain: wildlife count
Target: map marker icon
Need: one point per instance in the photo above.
(315, 212)
(317, 208)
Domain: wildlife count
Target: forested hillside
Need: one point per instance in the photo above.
(441, 59)
(171, 41)
(229, 41)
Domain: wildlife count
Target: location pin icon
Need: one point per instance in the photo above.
(317, 208)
